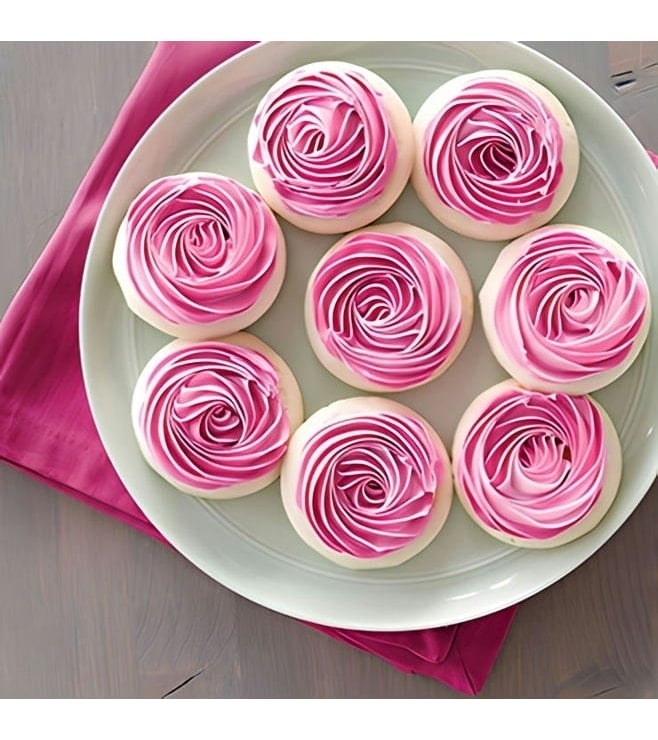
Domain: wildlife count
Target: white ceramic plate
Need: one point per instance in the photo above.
(247, 544)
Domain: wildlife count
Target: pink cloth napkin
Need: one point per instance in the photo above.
(46, 428)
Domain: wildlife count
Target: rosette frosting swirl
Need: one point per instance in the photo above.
(493, 152)
(388, 307)
(532, 465)
(568, 308)
(200, 247)
(211, 416)
(324, 138)
(367, 484)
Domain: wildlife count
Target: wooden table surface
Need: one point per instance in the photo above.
(91, 608)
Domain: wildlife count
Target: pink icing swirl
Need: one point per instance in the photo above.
(367, 484)
(200, 248)
(568, 308)
(212, 417)
(532, 465)
(388, 307)
(494, 153)
(325, 140)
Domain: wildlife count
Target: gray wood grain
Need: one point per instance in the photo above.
(91, 608)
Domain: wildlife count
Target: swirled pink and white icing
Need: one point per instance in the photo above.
(211, 415)
(387, 306)
(367, 483)
(324, 138)
(568, 308)
(494, 152)
(201, 248)
(532, 465)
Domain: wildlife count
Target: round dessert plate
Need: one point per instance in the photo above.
(247, 544)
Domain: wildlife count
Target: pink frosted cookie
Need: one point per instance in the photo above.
(366, 482)
(389, 308)
(199, 256)
(497, 154)
(214, 418)
(565, 308)
(331, 147)
(534, 469)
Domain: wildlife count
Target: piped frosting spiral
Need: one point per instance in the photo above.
(535, 469)
(199, 255)
(389, 308)
(214, 417)
(565, 308)
(366, 482)
(497, 154)
(331, 146)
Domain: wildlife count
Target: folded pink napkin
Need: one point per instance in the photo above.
(46, 428)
